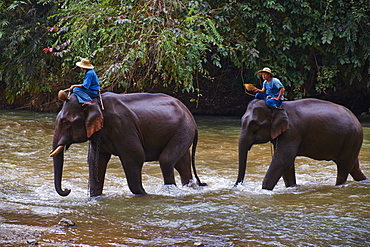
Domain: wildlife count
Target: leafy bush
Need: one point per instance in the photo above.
(23, 66)
(314, 47)
(139, 43)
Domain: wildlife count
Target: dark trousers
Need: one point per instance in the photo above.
(272, 103)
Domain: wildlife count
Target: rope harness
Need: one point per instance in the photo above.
(96, 142)
(101, 101)
(94, 149)
(273, 150)
(97, 150)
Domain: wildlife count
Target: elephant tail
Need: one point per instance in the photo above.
(193, 150)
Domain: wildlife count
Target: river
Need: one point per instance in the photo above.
(315, 213)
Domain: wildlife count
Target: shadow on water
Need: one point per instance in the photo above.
(315, 213)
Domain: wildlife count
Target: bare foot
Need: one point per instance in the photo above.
(87, 103)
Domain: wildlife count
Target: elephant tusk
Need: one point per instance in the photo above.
(56, 151)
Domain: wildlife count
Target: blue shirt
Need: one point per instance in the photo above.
(91, 81)
(273, 88)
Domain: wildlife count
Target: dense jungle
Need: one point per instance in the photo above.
(201, 52)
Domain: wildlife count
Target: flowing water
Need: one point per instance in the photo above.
(315, 213)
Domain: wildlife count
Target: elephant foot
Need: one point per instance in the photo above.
(291, 186)
(268, 185)
(357, 174)
(267, 188)
(193, 184)
(95, 194)
(139, 192)
(143, 194)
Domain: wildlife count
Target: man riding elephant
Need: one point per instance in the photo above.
(272, 89)
(90, 87)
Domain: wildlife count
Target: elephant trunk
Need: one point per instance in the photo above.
(58, 160)
(242, 168)
(58, 170)
(243, 156)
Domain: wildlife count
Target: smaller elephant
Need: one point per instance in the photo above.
(135, 127)
(313, 128)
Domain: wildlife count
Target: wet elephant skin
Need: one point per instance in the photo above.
(135, 127)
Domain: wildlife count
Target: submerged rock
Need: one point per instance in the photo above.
(66, 222)
(32, 241)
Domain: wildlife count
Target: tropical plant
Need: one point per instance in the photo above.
(317, 48)
(314, 46)
(23, 66)
(139, 43)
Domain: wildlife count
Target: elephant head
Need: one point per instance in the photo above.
(260, 124)
(74, 124)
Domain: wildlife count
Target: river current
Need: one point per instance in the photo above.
(315, 213)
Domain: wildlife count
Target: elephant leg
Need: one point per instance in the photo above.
(342, 171)
(345, 163)
(133, 170)
(282, 162)
(169, 158)
(168, 173)
(356, 172)
(97, 180)
(183, 166)
(289, 177)
(274, 173)
(175, 150)
(342, 176)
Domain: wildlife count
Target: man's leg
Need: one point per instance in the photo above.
(82, 96)
(273, 103)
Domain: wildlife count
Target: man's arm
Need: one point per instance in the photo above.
(73, 86)
(281, 93)
(256, 90)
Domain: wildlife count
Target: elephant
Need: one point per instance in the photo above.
(136, 127)
(308, 127)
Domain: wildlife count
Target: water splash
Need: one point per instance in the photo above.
(217, 215)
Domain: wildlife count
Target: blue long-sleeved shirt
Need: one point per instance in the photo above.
(273, 88)
(91, 81)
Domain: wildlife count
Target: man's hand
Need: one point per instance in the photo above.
(73, 86)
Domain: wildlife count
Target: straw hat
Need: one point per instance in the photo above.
(266, 70)
(85, 63)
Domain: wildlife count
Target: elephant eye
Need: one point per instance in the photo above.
(66, 123)
(253, 125)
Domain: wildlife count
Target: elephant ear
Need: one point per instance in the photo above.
(93, 118)
(280, 122)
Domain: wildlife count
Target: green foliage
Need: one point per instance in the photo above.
(23, 67)
(314, 47)
(140, 43)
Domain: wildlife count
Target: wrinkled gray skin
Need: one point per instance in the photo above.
(313, 128)
(134, 127)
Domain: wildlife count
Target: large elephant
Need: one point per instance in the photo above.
(313, 128)
(135, 127)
